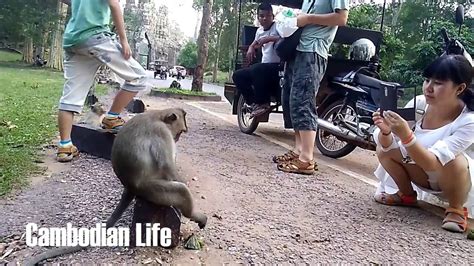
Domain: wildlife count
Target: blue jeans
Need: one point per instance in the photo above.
(302, 78)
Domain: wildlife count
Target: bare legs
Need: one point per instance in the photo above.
(121, 100)
(304, 144)
(453, 180)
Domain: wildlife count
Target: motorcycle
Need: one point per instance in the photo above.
(346, 122)
(163, 75)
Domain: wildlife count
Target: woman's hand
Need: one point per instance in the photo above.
(379, 121)
(397, 124)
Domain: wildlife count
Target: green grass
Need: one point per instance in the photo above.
(185, 92)
(101, 89)
(222, 78)
(28, 102)
(9, 57)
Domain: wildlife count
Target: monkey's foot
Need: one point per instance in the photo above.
(66, 154)
(112, 125)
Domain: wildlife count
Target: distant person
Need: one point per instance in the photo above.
(435, 155)
(262, 76)
(89, 43)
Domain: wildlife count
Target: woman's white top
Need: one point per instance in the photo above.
(445, 143)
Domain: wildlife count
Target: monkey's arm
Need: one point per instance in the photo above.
(171, 193)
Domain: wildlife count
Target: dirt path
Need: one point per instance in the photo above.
(267, 216)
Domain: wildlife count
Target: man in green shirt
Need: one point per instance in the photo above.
(303, 74)
(88, 44)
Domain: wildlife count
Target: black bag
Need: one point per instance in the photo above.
(286, 47)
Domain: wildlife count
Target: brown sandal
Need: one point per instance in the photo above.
(288, 156)
(66, 154)
(298, 167)
(397, 199)
(455, 220)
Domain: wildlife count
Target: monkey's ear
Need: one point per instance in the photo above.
(169, 118)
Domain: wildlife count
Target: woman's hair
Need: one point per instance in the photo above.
(457, 69)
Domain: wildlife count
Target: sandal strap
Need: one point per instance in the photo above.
(462, 213)
(397, 198)
(67, 150)
(287, 156)
(298, 164)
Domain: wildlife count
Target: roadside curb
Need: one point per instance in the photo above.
(213, 98)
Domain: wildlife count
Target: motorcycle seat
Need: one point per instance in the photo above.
(365, 80)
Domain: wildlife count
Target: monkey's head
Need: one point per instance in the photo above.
(175, 119)
(98, 108)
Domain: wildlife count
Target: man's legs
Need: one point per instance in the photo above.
(79, 72)
(243, 82)
(265, 78)
(285, 102)
(109, 52)
(307, 74)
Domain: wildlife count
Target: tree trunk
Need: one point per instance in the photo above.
(234, 49)
(28, 50)
(395, 17)
(146, 212)
(56, 50)
(203, 44)
(218, 50)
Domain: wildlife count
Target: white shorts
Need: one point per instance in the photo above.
(81, 63)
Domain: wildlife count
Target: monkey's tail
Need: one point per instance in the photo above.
(125, 200)
(51, 254)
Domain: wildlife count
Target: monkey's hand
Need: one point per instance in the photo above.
(200, 219)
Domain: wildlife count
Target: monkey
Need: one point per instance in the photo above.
(94, 116)
(143, 158)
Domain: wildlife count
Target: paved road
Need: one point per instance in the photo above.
(257, 214)
(185, 84)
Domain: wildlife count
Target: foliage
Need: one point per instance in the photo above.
(411, 35)
(188, 55)
(41, 18)
(25, 127)
(221, 78)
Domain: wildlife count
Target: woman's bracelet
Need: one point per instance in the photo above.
(386, 134)
(409, 141)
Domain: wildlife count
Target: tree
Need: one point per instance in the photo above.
(56, 55)
(188, 55)
(203, 46)
(134, 20)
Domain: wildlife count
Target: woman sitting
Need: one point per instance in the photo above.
(433, 155)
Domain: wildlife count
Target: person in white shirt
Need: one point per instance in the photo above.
(433, 156)
(257, 82)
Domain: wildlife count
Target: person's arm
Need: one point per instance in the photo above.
(442, 152)
(254, 45)
(267, 39)
(67, 2)
(119, 23)
(338, 18)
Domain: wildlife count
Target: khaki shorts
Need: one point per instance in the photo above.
(81, 63)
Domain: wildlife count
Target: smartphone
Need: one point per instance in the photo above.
(389, 101)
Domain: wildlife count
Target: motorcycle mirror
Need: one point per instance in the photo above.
(460, 14)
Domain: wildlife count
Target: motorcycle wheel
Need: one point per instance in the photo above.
(246, 125)
(328, 144)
